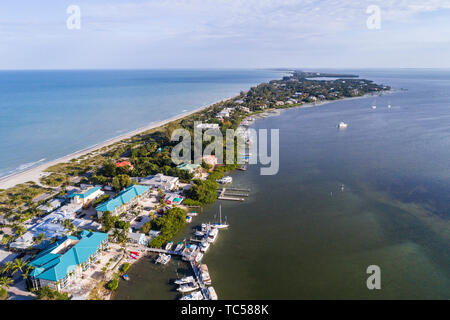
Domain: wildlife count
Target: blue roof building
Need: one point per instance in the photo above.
(66, 259)
(124, 200)
(87, 196)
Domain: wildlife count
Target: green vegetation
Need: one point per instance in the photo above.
(121, 181)
(3, 294)
(169, 224)
(46, 293)
(125, 267)
(113, 284)
(100, 200)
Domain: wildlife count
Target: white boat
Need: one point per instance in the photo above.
(220, 224)
(212, 235)
(197, 295)
(185, 288)
(204, 246)
(179, 246)
(191, 214)
(374, 107)
(198, 257)
(166, 258)
(225, 180)
(169, 245)
(389, 106)
(212, 294)
(199, 233)
(185, 280)
(342, 125)
(205, 274)
(188, 219)
(189, 252)
(158, 259)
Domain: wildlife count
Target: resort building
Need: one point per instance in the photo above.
(160, 181)
(86, 196)
(66, 260)
(124, 200)
(191, 167)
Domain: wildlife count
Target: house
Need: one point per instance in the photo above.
(279, 103)
(66, 260)
(86, 196)
(160, 181)
(123, 164)
(191, 167)
(7, 256)
(124, 200)
(50, 206)
(137, 237)
(207, 126)
(23, 242)
(173, 198)
(245, 109)
(211, 160)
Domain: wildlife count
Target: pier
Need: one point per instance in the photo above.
(156, 250)
(232, 196)
(201, 284)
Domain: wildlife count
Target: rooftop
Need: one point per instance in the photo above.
(123, 197)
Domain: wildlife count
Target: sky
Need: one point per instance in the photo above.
(146, 34)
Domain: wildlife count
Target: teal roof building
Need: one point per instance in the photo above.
(123, 198)
(65, 259)
(86, 194)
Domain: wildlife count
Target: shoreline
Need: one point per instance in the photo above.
(35, 173)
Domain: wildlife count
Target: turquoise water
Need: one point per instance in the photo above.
(377, 193)
(48, 114)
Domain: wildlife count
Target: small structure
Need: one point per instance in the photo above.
(160, 181)
(7, 256)
(23, 242)
(211, 160)
(137, 237)
(66, 259)
(123, 164)
(191, 167)
(173, 198)
(87, 196)
(124, 200)
(50, 206)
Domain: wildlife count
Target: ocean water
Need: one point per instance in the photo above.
(377, 193)
(45, 115)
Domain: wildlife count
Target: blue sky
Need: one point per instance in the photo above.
(224, 34)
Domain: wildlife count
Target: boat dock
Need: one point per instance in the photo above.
(201, 284)
(232, 196)
(156, 250)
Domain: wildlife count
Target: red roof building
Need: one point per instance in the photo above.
(124, 163)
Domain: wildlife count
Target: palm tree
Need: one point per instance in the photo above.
(27, 272)
(18, 264)
(5, 282)
(8, 267)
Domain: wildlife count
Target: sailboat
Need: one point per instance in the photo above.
(220, 225)
(374, 105)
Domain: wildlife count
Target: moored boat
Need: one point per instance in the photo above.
(188, 287)
(169, 245)
(179, 246)
(196, 295)
(205, 274)
(185, 280)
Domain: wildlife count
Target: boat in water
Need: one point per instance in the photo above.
(342, 125)
(169, 245)
(166, 258)
(212, 294)
(204, 274)
(196, 295)
(204, 246)
(125, 277)
(189, 252)
(188, 219)
(220, 224)
(212, 235)
(225, 180)
(199, 233)
(192, 214)
(198, 257)
(185, 280)
(179, 246)
(188, 287)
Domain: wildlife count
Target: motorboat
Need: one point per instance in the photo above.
(125, 277)
(196, 295)
(165, 259)
(188, 287)
(199, 233)
(212, 293)
(188, 219)
(204, 273)
(169, 245)
(179, 246)
(342, 125)
(185, 280)
(225, 180)
(192, 214)
(212, 235)
(198, 257)
(204, 246)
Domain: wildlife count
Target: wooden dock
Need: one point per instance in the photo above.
(232, 196)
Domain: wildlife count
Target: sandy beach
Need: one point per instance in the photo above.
(34, 174)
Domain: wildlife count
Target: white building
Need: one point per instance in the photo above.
(160, 181)
(208, 126)
(50, 206)
(137, 237)
(23, 242)
(86, 196)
